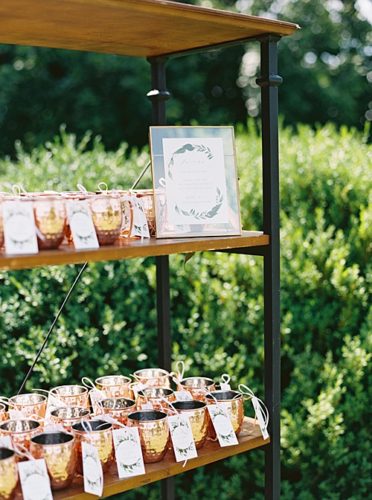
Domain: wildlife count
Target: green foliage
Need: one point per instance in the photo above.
(217, 308)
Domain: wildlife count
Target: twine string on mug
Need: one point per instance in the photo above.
(177, 376)
(18, 189)
(247, 393)
(88, 383)
(22, 451)
(82, 188)
(176, 413)
(103, 187)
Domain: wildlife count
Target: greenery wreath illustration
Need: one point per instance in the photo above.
(206, 214)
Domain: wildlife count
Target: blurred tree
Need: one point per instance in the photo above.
(326, 67)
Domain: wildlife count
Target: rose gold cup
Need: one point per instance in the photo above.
(3, 413)
(8, 474)
(152, 377)
(118, 408)
(69, 416)
(20, 431)
(59, 452)
(155, 396)
(235, 408)
(98, 433)
(72, 395)
(198, 417)
(107, 217)
(154, 433)
(50, 220)
(147, 198)
(31, 405)
(197, 386)
(114, 386)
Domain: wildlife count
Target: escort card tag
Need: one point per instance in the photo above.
(183, 396)
(81, 225)
(225, 382)
(139, 226)
(16, 415)
(53, 404)
(19, 227)
(92, 469)
(147, 406)
(261, 420)
(95, 397)
(222, 425)
(182, 438)
(34, 479)
(6, 442)
(128, 452)
(138, 387)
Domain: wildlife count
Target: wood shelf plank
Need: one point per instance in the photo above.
(249, 438)
(127, 27)
(129, 248)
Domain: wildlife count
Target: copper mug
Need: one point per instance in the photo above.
(235, 406)
(8, 474)
(68, 416)
(59, 452)
(157, 396)
(198, 417)
(198, 387)
(107, 217)
(114, 386)
(71, 395)
(147, 198)
(118, 408)
(153, 377)
(50, 220)
(98, 433)
(3, 413)
(31, 405)
(154, 433)
(20, 431)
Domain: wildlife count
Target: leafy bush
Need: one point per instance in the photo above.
(217, 306)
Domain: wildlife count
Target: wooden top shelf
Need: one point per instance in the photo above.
(127, 27)
(129, 248)
(249, 438)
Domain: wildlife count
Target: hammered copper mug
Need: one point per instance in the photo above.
(152, 377)
(118, 408)
(8, 474)
(154, 433)
(71, 395)
(69, 415)
(114, 386)
(59, 452)
(235, 406)
(20, 431)
(198, 387)
(198, 417)
(158, 397)
(107, 217)
(3, 413)
(98, 433)
(31, 405)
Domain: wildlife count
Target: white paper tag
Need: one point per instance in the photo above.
(34, 479)
(81, 225)
(147, 406)
(52, 404)
(225, 386)
(183, 396)
(182, 437)
(50, 427)
(222, 425)
(19, 227)
(139, 226)
(260, 417)
(95, 397)
(128, 452)
(92, 469)
(16, 415)
(138, 387)
(6, 442)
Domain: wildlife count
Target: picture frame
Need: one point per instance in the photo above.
(195, 181)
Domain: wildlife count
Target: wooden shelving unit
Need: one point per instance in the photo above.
(160, 30)
(129, 248)
(249, 439)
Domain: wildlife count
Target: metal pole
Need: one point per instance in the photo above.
(269, 82)
(159, 95)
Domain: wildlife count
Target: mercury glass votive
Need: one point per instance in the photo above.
(107, 217)
(31, 405)
(71, 395)
(154, 433)
(98, 433)
(50, 220)
(8, 474)
(59, 452)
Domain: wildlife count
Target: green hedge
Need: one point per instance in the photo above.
(110, 324)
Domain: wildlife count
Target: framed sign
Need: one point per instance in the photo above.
(195, 181)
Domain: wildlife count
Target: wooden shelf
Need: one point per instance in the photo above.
(128, 249)
(249, 438)
(127, 27)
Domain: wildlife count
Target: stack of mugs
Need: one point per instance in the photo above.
(53, 426)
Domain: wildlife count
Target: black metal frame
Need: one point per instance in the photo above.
(268, 82)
